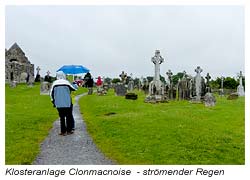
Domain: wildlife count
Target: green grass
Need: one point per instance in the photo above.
(29, 117)
(178, 132)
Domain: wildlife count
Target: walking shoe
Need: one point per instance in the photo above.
(70, 132)
(62, 134)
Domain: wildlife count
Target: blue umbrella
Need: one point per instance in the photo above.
(73, 69)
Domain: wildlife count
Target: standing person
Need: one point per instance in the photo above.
(99, 85)
(60, 97)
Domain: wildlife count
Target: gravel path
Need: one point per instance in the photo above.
(74, 149)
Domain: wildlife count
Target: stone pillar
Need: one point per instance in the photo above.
(198, 80)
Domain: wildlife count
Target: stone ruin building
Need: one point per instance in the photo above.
(17, 66)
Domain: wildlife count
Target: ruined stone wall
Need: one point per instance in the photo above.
(17, 66)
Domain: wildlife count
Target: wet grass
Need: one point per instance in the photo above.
(178, 132)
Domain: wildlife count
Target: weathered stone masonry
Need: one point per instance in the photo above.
(17, 66)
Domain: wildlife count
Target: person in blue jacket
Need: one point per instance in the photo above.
(61, 99)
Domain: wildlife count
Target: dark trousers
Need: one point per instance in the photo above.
(65, 119)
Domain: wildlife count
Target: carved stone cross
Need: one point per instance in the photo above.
(208, 77)
(157, 60)
(198, 70)
(38, 69)
(123, 76)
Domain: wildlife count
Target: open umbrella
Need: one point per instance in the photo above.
(73, 69)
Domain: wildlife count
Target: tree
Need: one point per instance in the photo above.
(116, 80)
(230, 83)
(107, 80)
(176, 77)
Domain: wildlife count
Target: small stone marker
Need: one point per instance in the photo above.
(209, 100)
(45, 88)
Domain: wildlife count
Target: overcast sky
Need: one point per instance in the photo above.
(112, 39)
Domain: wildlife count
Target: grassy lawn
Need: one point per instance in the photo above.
(178, 132)
(28, 119)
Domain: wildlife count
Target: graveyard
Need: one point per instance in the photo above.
(178, 132)
(148, 122)
(132, 131)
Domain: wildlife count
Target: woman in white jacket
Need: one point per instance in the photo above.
(60, 97)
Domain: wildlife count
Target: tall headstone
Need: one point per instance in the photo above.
(38, 77)
(130, 85)
(169, 82)
(183, 87)
(208, 88)
(156, 87)
(198, 83)
(240, 88)
(221, 91)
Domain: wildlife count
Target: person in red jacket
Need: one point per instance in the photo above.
(99, 85)
(99, 81)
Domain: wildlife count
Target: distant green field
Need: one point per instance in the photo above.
(28, 119)
(178, 132)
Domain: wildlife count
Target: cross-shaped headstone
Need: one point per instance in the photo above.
(123, 76)
(38, 69)
(198, 70)
(184, 75)
(169, 73)
(208, 77)
(157, 60)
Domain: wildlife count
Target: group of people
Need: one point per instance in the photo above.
(60, 94)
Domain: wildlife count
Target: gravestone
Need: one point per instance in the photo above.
(38, 77)
(208, 77)
(233, 96)
(48, 78)
(13, 84)
(198, 70)
(198, 86)
(169, 82)
(132, 96)
(120, 90)
(123, 77)
(209, 100)
(221, 91)
(156, 87)
(240, 88)
(183, 87)
(130, 85)
(45, 88)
